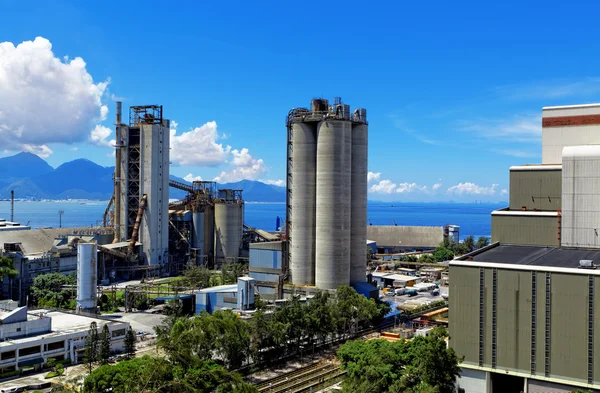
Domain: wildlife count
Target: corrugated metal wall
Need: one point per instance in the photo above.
(535, 189)
(525, 230)
(464, 312)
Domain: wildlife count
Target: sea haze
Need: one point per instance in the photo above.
(473, 219)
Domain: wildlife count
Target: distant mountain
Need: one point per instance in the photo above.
(31, 177)
(21, 166)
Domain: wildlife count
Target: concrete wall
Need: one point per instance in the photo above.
(568, 133)
(535, 189)
(405, 236)
(567, 325)
(23, 329)
(472, 381)
(525, 229)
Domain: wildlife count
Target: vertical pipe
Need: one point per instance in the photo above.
(117, 191)
(12, 205)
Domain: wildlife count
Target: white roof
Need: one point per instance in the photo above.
(394, 276)
(549, 108)
(551, 167)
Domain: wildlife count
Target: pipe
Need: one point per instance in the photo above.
(117, 192)
(105, 217)
(136, 226)
(12, 205)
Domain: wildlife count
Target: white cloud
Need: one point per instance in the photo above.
(383, 187)
(246, 167)
(504, 191)
(191, 178)
(373, 176)
(472, 189)
(279, 183)
(44, 99)
(516, 153)
(98, 136)
(410, 187)
(40, 150)
(519, 128)
(74, 148)
(198, 147)
(551, 89)
(436, 186)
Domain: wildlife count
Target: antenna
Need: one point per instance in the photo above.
(60, 214)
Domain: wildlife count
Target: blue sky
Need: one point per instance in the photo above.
(454, 91)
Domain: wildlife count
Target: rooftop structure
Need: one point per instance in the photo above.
(405, 238)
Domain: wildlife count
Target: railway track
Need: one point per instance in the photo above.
(302, 379)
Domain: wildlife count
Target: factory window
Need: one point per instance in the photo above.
(7, 355)
(533, 318)
(18, 329)
(118, 332)
(494, 314)
(30, 350)
(547, 338)
(55, 345)
(590, 329)
(481, 311)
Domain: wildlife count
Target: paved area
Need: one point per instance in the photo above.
(140, 321)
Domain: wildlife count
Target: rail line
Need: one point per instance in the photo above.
(302, 379)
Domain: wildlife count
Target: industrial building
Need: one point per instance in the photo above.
(398, 239)
(522, 310)
(238, 296)
(326, 209)
(31, 338)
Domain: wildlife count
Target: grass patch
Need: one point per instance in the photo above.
(53, 374)
(10, 374)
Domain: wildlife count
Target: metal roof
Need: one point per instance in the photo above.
(112, 246)
(535, 256)
(36, 241)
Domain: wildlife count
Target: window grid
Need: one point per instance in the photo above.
(481, 310)
(494, 314)
(533, 319)
(547, 343)
(590, 329)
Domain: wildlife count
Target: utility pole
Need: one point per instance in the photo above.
(12, 205)
(60, 214)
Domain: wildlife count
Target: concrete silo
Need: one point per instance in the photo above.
(87, 276)
(358, 238)
(303, 202)
(333, 221)
(229, 225)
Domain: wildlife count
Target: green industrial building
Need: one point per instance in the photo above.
(523, 318)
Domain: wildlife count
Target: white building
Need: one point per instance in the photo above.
(31, 338)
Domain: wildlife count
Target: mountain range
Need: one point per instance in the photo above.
(31, 177)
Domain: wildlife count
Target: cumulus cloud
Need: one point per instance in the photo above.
(245, 167)
(40, 150)
(45, 99)
(373, 176)
(472, 189)
(504, 191)
(198, 147)
(383, 187)
(191, 178)
(410, 187)
(279, 183)
(436, 186)
(99, 136)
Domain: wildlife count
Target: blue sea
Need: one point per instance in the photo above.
(473, 219)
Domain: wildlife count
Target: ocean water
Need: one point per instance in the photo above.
(473, 219)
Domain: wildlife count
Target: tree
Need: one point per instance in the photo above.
(482, 241)
(423, 365)
(104, 351)
(443, 254)
(469, 243)
(51, 363)
(370, 254)
(7, 268)
(52, 290)
(196, 277)
(426, 258)
(91, 346)
(129, 343)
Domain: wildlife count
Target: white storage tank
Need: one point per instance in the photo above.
(334, 161)
(229, 227)
(87, 272)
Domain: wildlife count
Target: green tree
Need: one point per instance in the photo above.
(7, 267)
(482, 241)
(426, 258)
(51, 363)
(231, 271)
(196, 277)
(91, 346)
(104, 350)
(424, 364)
(53, 290)
(443, 254)
(370, 254)
(129, 343)
(469, 243)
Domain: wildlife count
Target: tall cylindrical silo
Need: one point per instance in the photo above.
(198, 234)
(229, 227)
(303, 199)
(358, 237)
(87, 271)
(209, 232)
(334, 161)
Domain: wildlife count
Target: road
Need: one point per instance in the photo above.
(140, 321)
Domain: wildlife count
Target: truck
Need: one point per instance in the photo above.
(411, 292)
(400, 291)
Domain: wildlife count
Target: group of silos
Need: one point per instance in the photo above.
(218, 226)
(327, 194)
